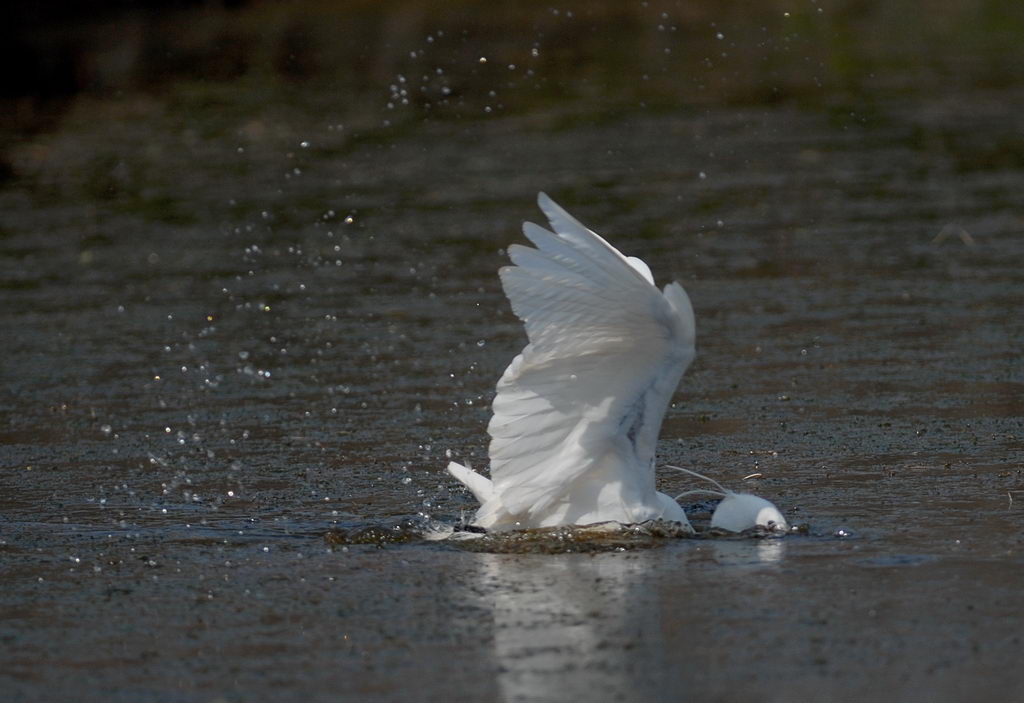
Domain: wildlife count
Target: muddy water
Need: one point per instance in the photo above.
(224, 345)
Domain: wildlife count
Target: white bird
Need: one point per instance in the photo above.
(738, 511)
(577, 413)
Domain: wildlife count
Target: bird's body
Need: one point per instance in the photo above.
(577, 413)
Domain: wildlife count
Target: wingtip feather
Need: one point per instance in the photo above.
(480, 486)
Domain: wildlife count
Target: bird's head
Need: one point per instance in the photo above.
(738, 511)
(743, 511)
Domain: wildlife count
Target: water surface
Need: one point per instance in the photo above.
(246, 310)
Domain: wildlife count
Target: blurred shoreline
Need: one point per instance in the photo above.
(593, 52)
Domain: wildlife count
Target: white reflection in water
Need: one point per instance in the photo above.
(741, 554)
(592, 627)
(770, 551)
(574, 627)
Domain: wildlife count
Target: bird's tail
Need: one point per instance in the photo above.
(479, 486)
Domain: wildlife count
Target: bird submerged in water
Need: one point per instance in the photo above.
(578, 412)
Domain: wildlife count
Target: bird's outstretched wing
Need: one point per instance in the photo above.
(606, 351)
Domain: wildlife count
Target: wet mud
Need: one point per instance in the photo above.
(243, 337)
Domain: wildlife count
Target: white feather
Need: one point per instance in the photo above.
(577, 413)
(479, 486)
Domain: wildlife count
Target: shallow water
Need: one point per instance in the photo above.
(222, 347)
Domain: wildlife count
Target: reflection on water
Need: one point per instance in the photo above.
(576, 627)
(566, 628)
(740, 555)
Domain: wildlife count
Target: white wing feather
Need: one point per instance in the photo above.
(588, 393)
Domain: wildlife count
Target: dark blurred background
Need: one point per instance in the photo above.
(269, 73)
(612, 52)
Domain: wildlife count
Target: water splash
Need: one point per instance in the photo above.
(600, 537)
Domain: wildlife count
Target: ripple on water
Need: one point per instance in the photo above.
(600, 537)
